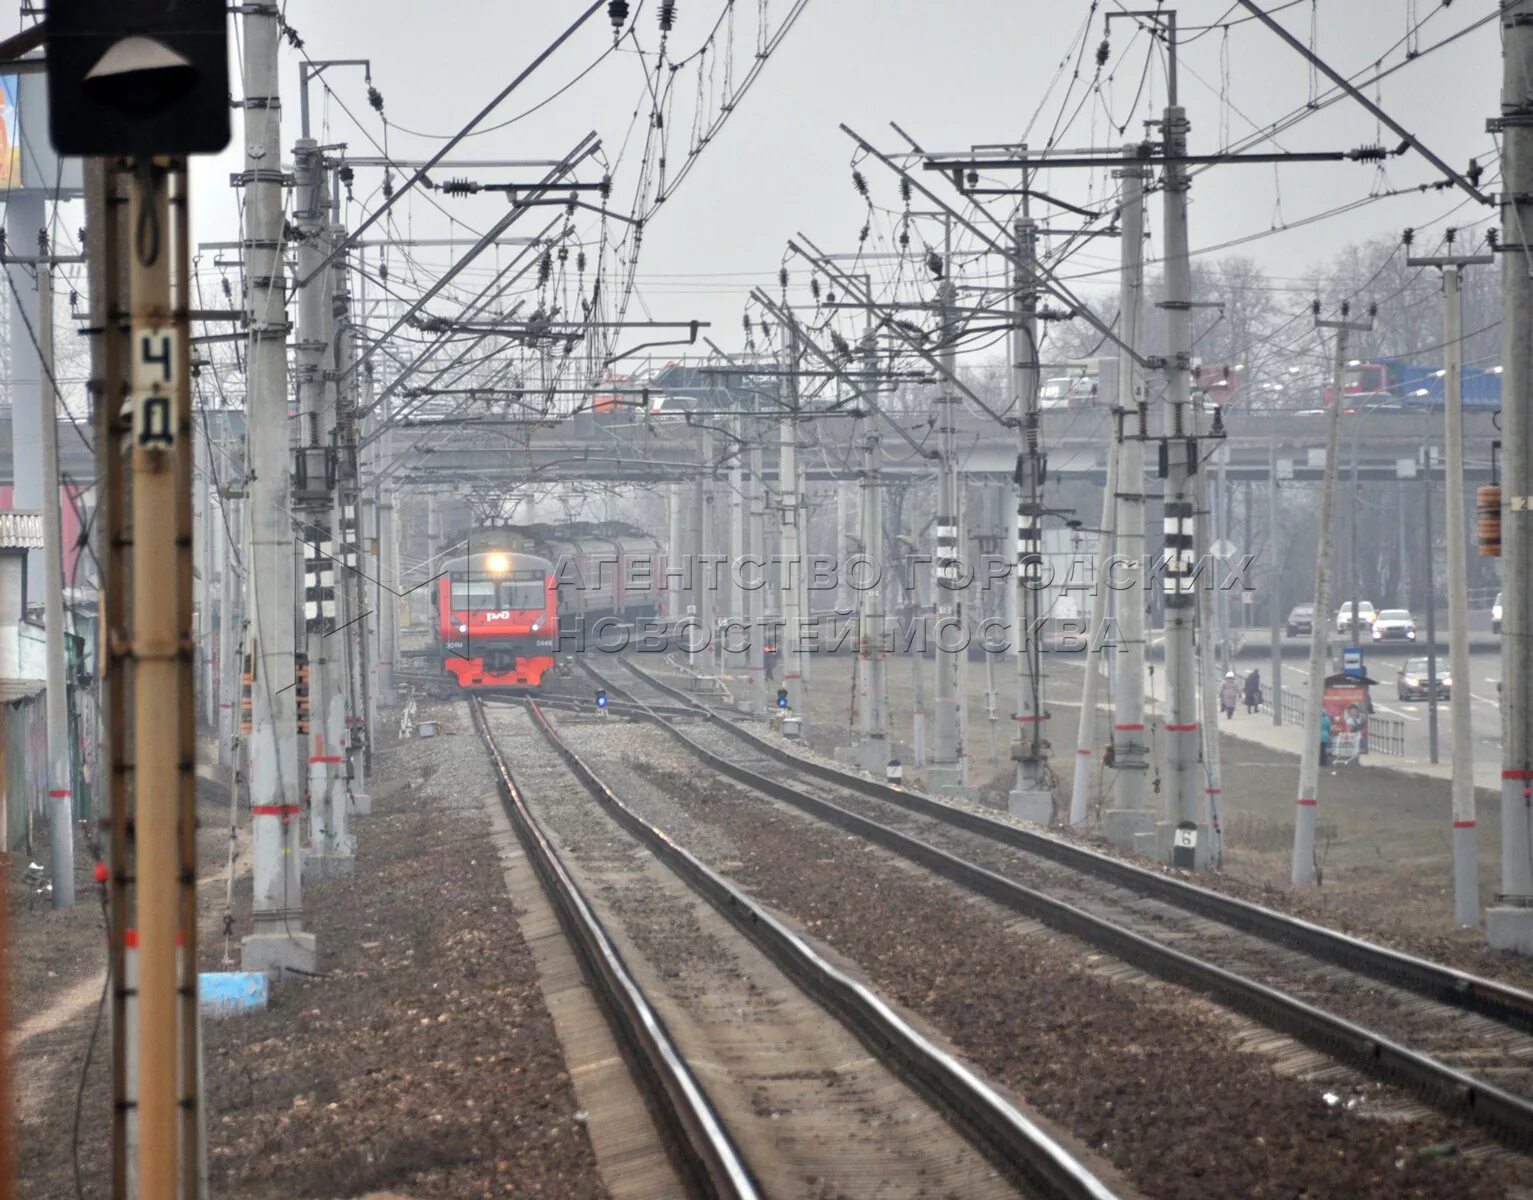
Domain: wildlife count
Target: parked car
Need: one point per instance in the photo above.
(1365, 616)
(1495, 615)
(1301, 619)
(1394, 624)
(1415, 682)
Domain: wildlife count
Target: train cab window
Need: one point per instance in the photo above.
(474, 595)
(523, 594)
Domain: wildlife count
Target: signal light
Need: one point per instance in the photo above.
(782, 697)
(601, 697)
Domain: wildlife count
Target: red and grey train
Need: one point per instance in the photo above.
(521, 595)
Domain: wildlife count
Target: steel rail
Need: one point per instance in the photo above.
(1433, 981)
(702, 1150)
(1007, 1138)
(1508, 1117)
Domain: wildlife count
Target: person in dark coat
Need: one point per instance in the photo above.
(1254, 691)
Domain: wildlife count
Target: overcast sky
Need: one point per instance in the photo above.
(950, 74)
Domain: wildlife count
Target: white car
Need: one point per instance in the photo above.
(1394, 624)
(1365, 616)
(1495, 615)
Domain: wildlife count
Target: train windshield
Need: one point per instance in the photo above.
(474, 595)
(523, 594)
(496, 595)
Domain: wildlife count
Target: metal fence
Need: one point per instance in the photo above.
(1293, 706)
(1386, 735)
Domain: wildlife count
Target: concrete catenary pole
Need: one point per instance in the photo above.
(791, 529)
(331, 849)
(1466, 868)
(277, 942)
(230, 539)
(1030, 796)
(736, 654)
(1085, 738)
(1509, 922)
(1275, 614)
(1211, 650)
(1128, 819)
(60, 785)
(25, 218)
(1303, 869)
(1179, 561)
(754, 574)
(949, 767)
(872, 682)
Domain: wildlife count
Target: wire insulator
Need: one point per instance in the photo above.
(860, 182)
(667, 15)
(375, 98)
(934, 264)
(1449, 234)
(782, 276)
(1104, 52)
(863, 233)
(460, 187)
(617, 13)
(580, 261)
(905, 189)
(1407, 237)
(814, 286)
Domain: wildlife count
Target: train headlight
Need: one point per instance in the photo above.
(537, 624)
(462, 628)
(497, 564)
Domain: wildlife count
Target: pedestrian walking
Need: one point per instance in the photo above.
(1229, 694)
(1254, 691)
(1325, 739)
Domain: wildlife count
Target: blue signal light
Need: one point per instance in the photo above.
(782, 697)
(601, 697)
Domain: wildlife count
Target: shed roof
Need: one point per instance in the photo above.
(21, 530)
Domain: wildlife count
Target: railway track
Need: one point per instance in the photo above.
(1462, 1043)
(775, 1071)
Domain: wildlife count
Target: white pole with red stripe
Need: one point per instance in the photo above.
(278, 941)
(1309, 755)
(1509, 921)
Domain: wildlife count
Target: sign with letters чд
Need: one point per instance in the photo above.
(156, 354)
